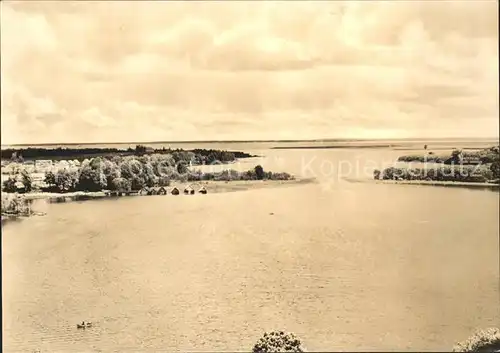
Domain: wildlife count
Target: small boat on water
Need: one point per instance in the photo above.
(84, 325)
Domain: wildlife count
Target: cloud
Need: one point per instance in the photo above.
(249, 70)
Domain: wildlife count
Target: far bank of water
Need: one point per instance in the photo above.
(345, 266)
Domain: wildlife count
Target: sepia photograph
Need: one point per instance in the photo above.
(250, 176)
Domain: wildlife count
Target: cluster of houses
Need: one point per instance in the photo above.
(159, 190)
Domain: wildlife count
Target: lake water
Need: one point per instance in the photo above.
(345, 266)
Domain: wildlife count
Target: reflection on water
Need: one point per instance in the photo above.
(346, 266)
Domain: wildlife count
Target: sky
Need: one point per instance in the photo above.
(116, 71)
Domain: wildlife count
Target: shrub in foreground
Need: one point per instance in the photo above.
(278, 342)
(482, 341)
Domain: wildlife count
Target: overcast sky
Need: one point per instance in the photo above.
(141, 71)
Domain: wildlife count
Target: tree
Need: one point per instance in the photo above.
(149, 175)
(85, 163)
(50, 178)
(137, 182)
(456, 156)
(96, 163)
(495, 169)
(182, 167)
(111, 171)
(26, 180)
(259, 171)
(9, 185)
(66, 180)
(91, 179)
(17, 157)
(117, 160)
(131, 167)
(120, 184)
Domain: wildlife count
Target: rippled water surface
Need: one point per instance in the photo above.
(345, 266)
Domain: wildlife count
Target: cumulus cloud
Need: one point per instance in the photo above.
(128, 71)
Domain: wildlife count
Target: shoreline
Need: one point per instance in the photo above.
(490, 186)
(212, 187)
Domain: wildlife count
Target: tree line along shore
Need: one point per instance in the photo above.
(482, 166)
(33, 153)
(122, 174)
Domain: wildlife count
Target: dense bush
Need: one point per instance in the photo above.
(485, 156)
(120, 184)
(17, 157)
(477, 166)
(65, 180)
(9, 185)
(279, 176)
(495, 169)
(50, 178)
(259, 172)
(430, 158)
(92, 178)
(234, 175)
(15, 205)
(278, 342)
(26, 180)
(463, 173)
(482, 341)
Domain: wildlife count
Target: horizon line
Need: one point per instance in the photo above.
(253, 141)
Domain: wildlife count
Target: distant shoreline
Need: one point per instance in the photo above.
(394, 146)
(490, 186)
(406, 140)
(36, 153)
(331, 147)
